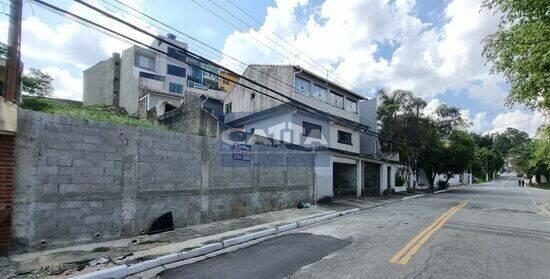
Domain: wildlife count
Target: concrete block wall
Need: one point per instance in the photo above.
(79, 181)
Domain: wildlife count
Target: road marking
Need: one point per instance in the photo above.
(406, 253)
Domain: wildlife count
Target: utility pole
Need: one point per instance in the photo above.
(13, 70)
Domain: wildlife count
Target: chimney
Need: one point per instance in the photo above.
(171, 36)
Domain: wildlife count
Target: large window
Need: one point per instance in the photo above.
(344, 137)
(175, 70)
(176, 54)
(175, 88)
(351, 105)
(302, 85)
(319, 92)
(145, 61)
(337, 100)
(311, 130)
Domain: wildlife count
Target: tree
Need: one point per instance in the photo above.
(37, 83)
(455, 154)
(510, 138)
(519, 50)
(486, 161)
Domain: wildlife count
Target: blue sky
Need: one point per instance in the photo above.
(430, 47)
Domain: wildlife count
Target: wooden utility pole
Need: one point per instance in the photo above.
(13, 64)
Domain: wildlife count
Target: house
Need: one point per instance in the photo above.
(140, 79)
(337, 123)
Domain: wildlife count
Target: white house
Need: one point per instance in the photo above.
(338, 124)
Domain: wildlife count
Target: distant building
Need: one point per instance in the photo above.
(348, 158)
(140, 80)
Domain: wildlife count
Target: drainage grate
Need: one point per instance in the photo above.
(163, 224)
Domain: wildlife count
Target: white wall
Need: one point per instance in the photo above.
(323, 175)
(355, 147)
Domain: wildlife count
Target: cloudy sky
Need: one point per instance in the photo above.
(430, 47)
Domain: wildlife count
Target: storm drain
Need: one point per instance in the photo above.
(162, 224)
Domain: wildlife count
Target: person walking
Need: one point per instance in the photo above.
(519, 182)
(522, 183)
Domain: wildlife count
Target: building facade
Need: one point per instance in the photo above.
(140, 80)
(325, 117)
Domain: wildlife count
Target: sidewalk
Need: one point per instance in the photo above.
(75, 260)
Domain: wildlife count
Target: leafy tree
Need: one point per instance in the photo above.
(37, 83)
(520, 49)
(456, 154)
(483, 140)
(486, 161)
(510, 138)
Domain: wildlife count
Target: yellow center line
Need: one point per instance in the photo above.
(406, 253)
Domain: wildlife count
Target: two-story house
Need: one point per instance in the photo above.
(141, 79)
(332, 124)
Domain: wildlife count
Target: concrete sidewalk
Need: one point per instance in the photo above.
(80, 259)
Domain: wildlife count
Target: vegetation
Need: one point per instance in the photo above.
(532, 158)
(98, 113)
(434, 143)
(520, 49)
(37, 83)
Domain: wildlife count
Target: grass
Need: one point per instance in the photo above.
(101, 249)
(189, 248)
(152, 242)
(545, 186)
(102, 113)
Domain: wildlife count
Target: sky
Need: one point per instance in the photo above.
(430, 47)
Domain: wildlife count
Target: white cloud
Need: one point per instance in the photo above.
(479, 123)
(345, 36)
(66, 48)
(431, 108)
(527, 122)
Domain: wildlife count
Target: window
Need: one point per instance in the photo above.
(302, 85)
(311, 130)
(176, 54)
(351, 105)
(175, 88)
(228, 108)
(175, 70)
(337, 100)
(344, 137)
(225, 81)
(319, 92)
(145, 61)
(252, 96)
(252, 130)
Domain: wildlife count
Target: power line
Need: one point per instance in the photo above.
(290, 102)
(284, 40)
(323, 71)
(209, 46)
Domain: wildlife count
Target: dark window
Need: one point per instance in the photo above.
(344, 137)
(228, 108)
(175, 88)
(176, 71)
(176, 54)
(151, 76)
(311, 130)
(252, 96)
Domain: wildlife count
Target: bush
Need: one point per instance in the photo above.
(399, 181)
(442, 184)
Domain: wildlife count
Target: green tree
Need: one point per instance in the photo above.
(37, 83)
(520, 49)
(510, 138)
(456, 154)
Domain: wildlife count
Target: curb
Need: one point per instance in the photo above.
(412, 197)
(122, 271)
(443, 191)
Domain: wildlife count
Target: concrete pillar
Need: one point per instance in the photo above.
(360, 173)
(129, 182)
(382, 178)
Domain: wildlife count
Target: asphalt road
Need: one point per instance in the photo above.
(494, 230)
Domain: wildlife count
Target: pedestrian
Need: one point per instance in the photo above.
(523, 183)
(519, 182)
